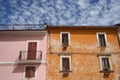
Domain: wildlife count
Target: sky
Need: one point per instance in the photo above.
(60, 12)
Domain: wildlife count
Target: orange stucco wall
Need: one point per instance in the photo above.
(83, 49)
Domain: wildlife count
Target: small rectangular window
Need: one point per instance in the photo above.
(30, 71)
(65, 39)
(101, 39)
(64, 36)
(65, 62)
(105, 63)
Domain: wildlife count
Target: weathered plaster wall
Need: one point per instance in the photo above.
(84, 40)
(84, 61)
(84, 67)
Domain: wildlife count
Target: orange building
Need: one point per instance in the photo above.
(83, 53)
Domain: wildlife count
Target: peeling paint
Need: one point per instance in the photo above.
(85, 63)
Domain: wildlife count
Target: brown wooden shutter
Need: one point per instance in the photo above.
(32, 48)
(30, 72)
(27, 72)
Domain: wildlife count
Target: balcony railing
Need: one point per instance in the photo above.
(29, 57)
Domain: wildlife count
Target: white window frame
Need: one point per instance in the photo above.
(65, 56)
(118, 35)
(61, 37)
(34, 78)
(97, 34)
(109, 59)
(27, 42)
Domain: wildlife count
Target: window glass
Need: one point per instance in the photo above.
(105, 63)
(65, 64)
(102, 40)
(65, 41)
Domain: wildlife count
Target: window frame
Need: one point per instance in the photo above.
(25, 71)
(109, 59)
(98, 42)
(61, 64)
(68, 37)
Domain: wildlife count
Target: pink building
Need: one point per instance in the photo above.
(23, 54)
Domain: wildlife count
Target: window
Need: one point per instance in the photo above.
(65, 38)
(30, 71)
(32, 47)
(65, 63)
(105, 62)
(101, 37)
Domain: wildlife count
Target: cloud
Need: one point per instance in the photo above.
(60, 12)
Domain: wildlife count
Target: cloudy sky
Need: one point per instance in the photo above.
(60, 12)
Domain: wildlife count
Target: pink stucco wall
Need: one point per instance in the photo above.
(10, 47)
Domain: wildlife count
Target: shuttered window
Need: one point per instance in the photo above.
(105, 63)
(65, 64)
(65, 40)
(102, 41)
(32, 48)
(30, 72)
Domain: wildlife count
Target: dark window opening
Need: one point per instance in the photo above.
(30, 72)
(102, 41)
(105, 63)
(65, 64)
(65, 40)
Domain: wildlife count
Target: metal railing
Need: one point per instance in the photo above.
(24, 55)
(21, 26)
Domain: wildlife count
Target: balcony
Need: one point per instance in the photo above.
(30, 57)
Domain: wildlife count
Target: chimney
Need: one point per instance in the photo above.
(117, 24)
(45, 25)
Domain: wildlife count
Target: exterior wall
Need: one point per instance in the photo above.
(83, 49)
(10, 47)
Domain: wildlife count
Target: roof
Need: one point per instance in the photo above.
(22, 26)
(117, 24)
(84, 27)
(22, 29)
(22, 32)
